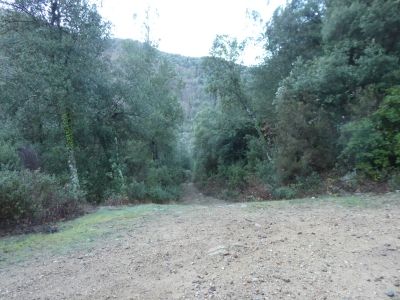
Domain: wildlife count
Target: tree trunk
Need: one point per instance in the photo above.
(75, 186)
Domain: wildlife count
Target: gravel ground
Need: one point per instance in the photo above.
(288, 250)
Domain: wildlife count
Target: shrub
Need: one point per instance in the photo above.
(32, 198)
(366, 148)
(372, 144)
(159, 194)
(308, 185)
(8, 156)
(136, 190)
(394, 182)
(284, 192)
(229, 195)
(265, 170)
(235, 175)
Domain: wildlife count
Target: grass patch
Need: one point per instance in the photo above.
(78, 234)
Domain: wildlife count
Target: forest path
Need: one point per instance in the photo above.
(333, 248)
(191, 195)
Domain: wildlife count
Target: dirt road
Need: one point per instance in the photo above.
(321, 249)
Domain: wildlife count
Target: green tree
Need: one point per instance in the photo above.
(55, 48)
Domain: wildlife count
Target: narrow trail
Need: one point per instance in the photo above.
(191, 195)
(285, 250)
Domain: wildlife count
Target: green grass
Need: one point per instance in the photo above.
(79, 234)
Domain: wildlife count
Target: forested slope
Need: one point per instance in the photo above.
(321, 114)
(190, 86)
(90, 119)
(80, 124)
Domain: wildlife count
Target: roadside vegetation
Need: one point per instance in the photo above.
(81, 125)
(88, 120)
(321, 114)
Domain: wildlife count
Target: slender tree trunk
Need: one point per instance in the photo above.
(69, 139)
(263, 141)
(73, 173)
(118, 167)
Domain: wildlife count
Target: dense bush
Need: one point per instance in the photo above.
(372, 144)
(32, 198)
(284, 192)
(235, 175)
(102, 114)
(158, 184)
(324, 102)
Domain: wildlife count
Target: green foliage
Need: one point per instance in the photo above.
(312, 184)
(31, 198)
(10, 140)
(372, 143)
(321, 103)
(301, 186)
(235, 175)
(285, 192)
(323, 94)
(8, 156)
(221, 145)
(99, 113)
(302, 143)
(136, 190)
(365, 148)
(394, 182)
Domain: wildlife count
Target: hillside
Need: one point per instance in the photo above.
(190, 88)
(192, 93)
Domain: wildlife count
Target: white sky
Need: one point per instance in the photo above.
(188, 27)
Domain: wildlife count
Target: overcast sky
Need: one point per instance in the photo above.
(188, 27)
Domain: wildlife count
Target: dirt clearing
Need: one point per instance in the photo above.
(333, 248)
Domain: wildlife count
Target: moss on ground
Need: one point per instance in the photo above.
(79, 234)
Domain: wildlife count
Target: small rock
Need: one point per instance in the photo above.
(219, 250)
(390, 293)
(212, 288)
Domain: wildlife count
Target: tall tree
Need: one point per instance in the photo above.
(55, 47)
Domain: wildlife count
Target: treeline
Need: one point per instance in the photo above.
(321, 113)
(79, 123)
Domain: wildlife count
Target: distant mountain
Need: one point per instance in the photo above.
(193, 94)
(191, 89)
